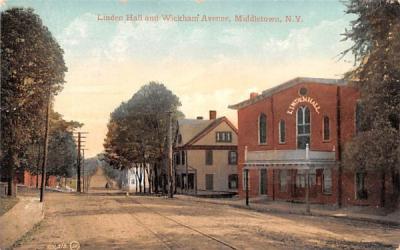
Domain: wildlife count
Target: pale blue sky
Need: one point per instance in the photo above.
(208, 65)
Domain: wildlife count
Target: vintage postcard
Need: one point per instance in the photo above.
(200, 124)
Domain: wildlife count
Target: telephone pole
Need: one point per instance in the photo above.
(78, 165)
(79, 141)
(46, 142)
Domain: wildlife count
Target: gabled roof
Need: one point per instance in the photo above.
(269, 92)
(189, 128)
(193, 130)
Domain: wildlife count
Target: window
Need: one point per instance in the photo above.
(303, 127)
(183, 157)
(303, 91)
(177, 158)
(232, 181)
(282, 131)
(262, 129)
(301, 178)
(244, 179)
(223, 136)
(327, 182)
(326, 128)
(283, 180)
(361, 190)
(209, 157)
(232, 157)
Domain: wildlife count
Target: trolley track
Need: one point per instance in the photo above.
(173, 244)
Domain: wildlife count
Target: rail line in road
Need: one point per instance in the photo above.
(159, 237)
(170, 245)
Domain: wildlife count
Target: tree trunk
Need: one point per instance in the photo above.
(149, 175)
(144, 177)
(12, 166)
(156, 178)
(139, 174)
(383, 189)
(137, 179)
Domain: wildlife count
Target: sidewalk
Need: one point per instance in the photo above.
(299, 208)
(19, 220)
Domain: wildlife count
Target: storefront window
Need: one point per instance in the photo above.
(327, 182)
(283, 180)
(301, 178)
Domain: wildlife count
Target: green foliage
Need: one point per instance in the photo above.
(32, 65)
(138, 129)
(376, 37)
(62, 153)
(62, 150)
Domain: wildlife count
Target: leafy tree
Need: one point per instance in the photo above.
(376, 37)
(32, 66)
(62, 148)
(138, 130)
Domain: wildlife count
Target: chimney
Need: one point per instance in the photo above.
(199, 118)
(213, 114)
(253, 95)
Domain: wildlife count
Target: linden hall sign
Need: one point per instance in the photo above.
(301, 99)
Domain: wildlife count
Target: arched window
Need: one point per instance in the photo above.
(262, 129)
(282, 131)
(303, 127)
(326, 128)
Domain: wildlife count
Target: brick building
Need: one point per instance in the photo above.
(296, 132)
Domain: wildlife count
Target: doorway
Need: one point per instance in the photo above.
(263, 182)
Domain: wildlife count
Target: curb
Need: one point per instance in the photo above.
(272, 210)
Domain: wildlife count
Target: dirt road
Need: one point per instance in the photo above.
(112, 221)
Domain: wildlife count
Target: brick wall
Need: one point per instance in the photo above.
(275, 107)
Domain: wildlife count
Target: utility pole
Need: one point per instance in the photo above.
(79, 141)
(83, 168)
(46, 142)
(170, 173)
(78, 165)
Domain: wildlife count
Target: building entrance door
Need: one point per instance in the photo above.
(263, 182)
(209, 181)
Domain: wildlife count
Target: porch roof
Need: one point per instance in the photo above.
(289, 159)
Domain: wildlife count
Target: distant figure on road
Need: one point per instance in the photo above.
(107, 185)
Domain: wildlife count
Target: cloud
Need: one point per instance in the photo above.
(323, 39)
(208, 69)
